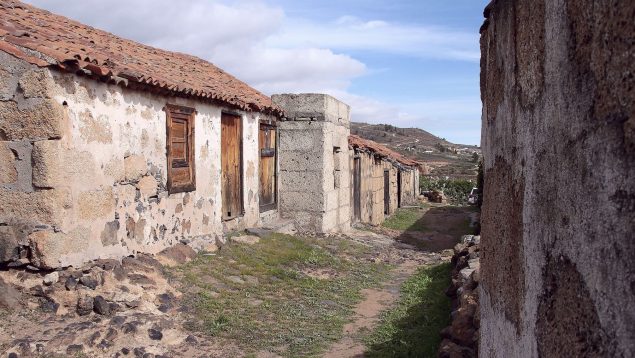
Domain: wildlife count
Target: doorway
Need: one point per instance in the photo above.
(267, 167)
(398, 188)
(386, 192)
(357, 189)
(231, 166)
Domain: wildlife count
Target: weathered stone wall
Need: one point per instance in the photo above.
(558, 138)
(314, 178)
(97, 184)
(409, 186)
(372, 186)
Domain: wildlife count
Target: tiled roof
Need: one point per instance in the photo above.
(381, 150)
(45, 39)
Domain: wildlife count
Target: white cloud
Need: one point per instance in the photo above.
(257, 43)
(231, 35)
(351, 33)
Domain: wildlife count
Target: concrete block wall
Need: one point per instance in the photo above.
(558, 215)
(314, 178)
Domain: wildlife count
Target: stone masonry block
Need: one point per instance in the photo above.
(57, 249)
(10, 70)
(305, 221)
(321, 107)
(8, 84)
(301, 126)
(80, 168)
(305, 141)
(36, 83)
(134, 167)
(301, 201)
(329, 221)
(300, 161)
(96, 203)
(9, 243)
(33, 119)
(294, 181)
(147, 186)
(38, 207)
(115, 170)
(331, 200)
(47, 166)
(8, 172)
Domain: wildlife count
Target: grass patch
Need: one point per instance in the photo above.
(411, 328)
(286, 294)
(406, 219)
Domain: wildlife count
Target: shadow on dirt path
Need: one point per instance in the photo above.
(429, 236)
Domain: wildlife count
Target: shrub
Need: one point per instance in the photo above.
(455, 190)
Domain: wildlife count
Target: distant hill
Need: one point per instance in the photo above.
(443, 157)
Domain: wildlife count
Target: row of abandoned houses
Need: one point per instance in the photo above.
(109, 148)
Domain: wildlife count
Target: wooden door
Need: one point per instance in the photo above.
(357, 189)
(386, 192)
(398, 188)
(231, 166)
(267, 146)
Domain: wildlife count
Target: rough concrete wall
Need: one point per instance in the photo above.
(109, 165)
(337, 181)
(558, 138)
(314, 179)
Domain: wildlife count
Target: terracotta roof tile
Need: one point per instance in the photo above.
(381, 150)
(46, 39)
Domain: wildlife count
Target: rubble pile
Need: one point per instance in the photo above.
(461, 338)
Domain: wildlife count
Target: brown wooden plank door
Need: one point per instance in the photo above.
(399, 188)
(386, 192)
(357, 189)
(231, 166)
(267, 168)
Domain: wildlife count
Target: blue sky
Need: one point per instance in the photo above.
(408, 63)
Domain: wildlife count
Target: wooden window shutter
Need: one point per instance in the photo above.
(180, 148)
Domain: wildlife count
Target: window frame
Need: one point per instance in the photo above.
(187, 115)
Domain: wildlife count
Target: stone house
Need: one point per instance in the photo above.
(382, 180)
(109, 147)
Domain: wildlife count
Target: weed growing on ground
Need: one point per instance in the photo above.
(406, 219)
(411, 328)
(285, 294)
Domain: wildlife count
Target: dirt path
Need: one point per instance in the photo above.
(443, 225)
(367, 312)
